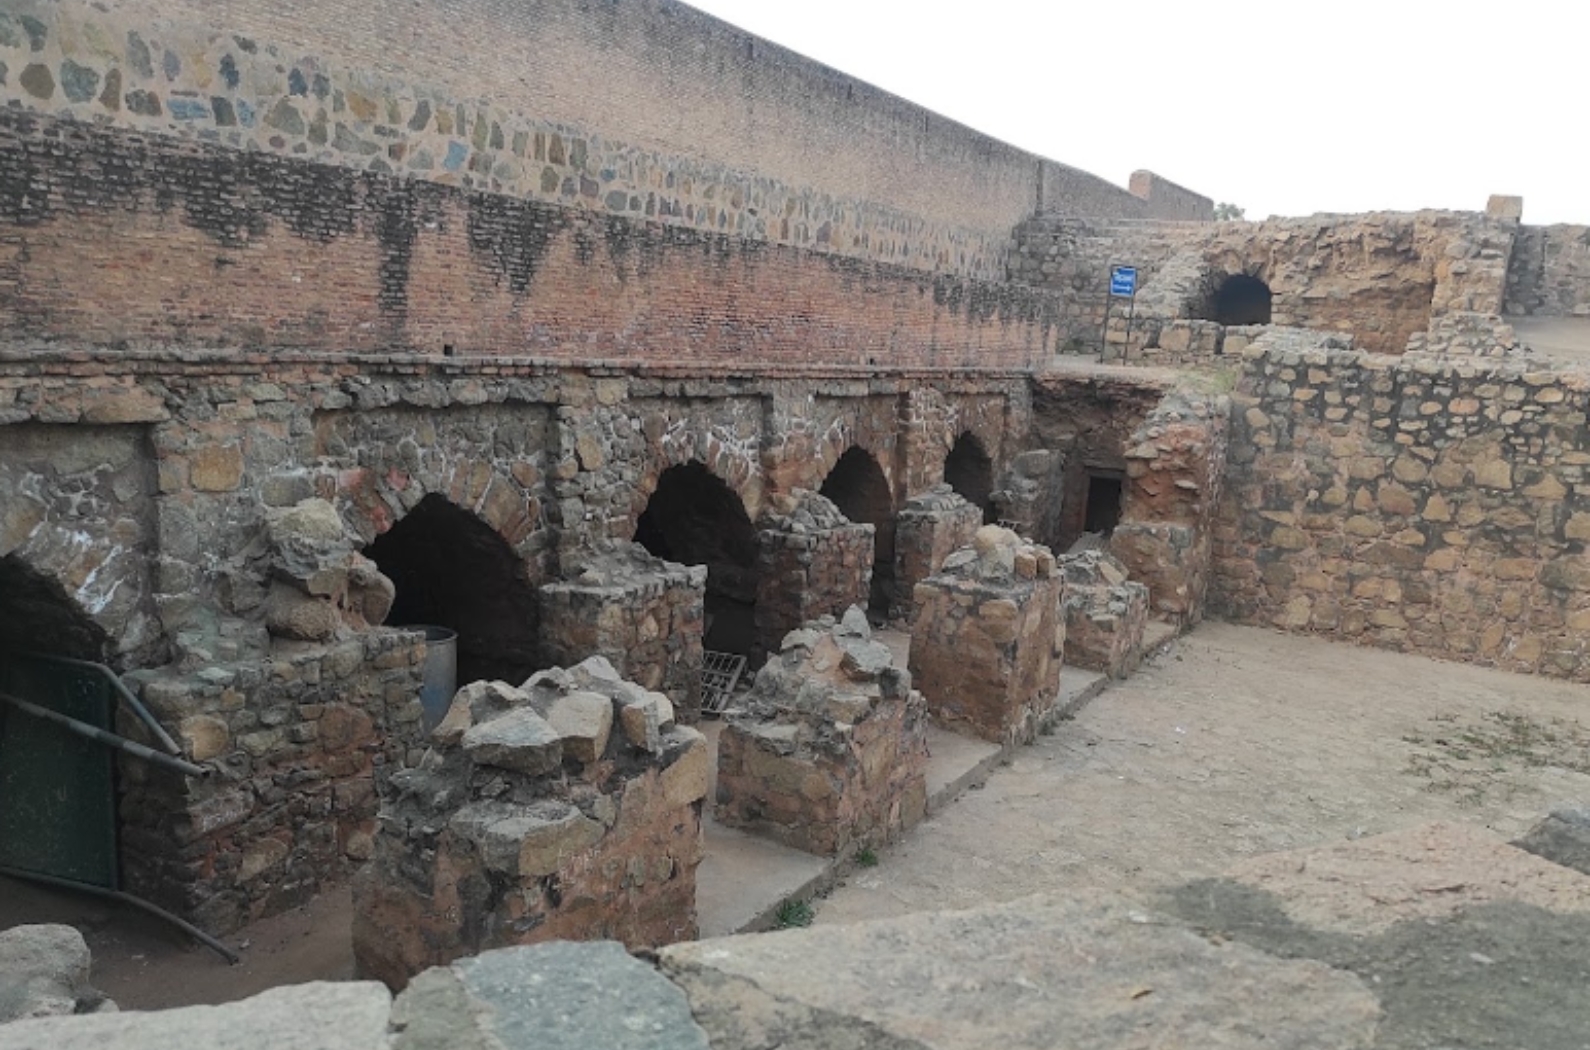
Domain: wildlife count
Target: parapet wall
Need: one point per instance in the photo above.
(1167, 200)
(645, 108)
(1429, 506)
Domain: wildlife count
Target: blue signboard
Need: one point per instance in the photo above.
(1123, 281)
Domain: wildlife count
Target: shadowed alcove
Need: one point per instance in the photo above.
(970, 472)
(37, 615)
(1238, 300)
(452, 569)
(858, 487)
(694, 518)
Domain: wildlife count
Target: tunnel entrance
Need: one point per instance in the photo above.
(1103, 510)
(857, 486)
(970, 472)
(694, 518)
(1239, 300)
(453, 570)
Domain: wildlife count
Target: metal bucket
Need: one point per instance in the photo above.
(441, 672)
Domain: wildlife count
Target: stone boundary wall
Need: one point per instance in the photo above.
(119, 240)
(642, 109)
(1549, 274)
(1167, 200)
(1428, 506)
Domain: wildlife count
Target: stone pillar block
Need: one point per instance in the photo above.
(644, 615)
(531, 820)
(989, 638)
(829, 751)
(930, 528)
(812, 561)
(1105, 612)
(1502, 206)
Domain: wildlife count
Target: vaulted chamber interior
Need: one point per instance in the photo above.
(453, 570)
(969, 470)
(858, 487)
(694, 518)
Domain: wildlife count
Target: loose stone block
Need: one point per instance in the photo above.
(829, 751)
(988, 641)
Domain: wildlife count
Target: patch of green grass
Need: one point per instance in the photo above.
(794, 913)
(866, 857)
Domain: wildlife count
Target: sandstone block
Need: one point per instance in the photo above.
(643, 719)
(520, 740)
(44, 972)
(204, 737)
(583, 721)
(684, 781)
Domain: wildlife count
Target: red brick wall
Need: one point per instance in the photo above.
(115, 239)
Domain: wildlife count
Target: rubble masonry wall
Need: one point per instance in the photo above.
(1422, 505)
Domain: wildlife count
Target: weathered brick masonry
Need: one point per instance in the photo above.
(114, 239)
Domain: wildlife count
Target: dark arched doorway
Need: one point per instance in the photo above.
(857, 486)
(970, 472)
(1240, 299)
(38, 616)
(694, 518)
(452, 569)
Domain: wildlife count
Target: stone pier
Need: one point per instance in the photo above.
(568, 809)
(643, 614)
(828, 753)
(989, 637)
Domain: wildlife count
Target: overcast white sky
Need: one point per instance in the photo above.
(1279, 107)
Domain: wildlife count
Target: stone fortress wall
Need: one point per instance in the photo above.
(643, 110)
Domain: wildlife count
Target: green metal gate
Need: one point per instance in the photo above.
(57, 788)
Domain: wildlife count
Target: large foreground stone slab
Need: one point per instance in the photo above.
(1082, 972)
(321, 1016)
(1465, 940)
(1428, 873)
(554, 996)
(1562, 838)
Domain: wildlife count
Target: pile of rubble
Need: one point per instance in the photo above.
(828, 751)
(567, 808)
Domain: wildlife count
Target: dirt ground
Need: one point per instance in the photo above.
(1236, 742)
(1241, 741)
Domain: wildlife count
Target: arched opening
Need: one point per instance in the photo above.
(37, 615)
(970, 472)
(1241, 299)
(453, 570)
(694, 518)
(859, 489)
